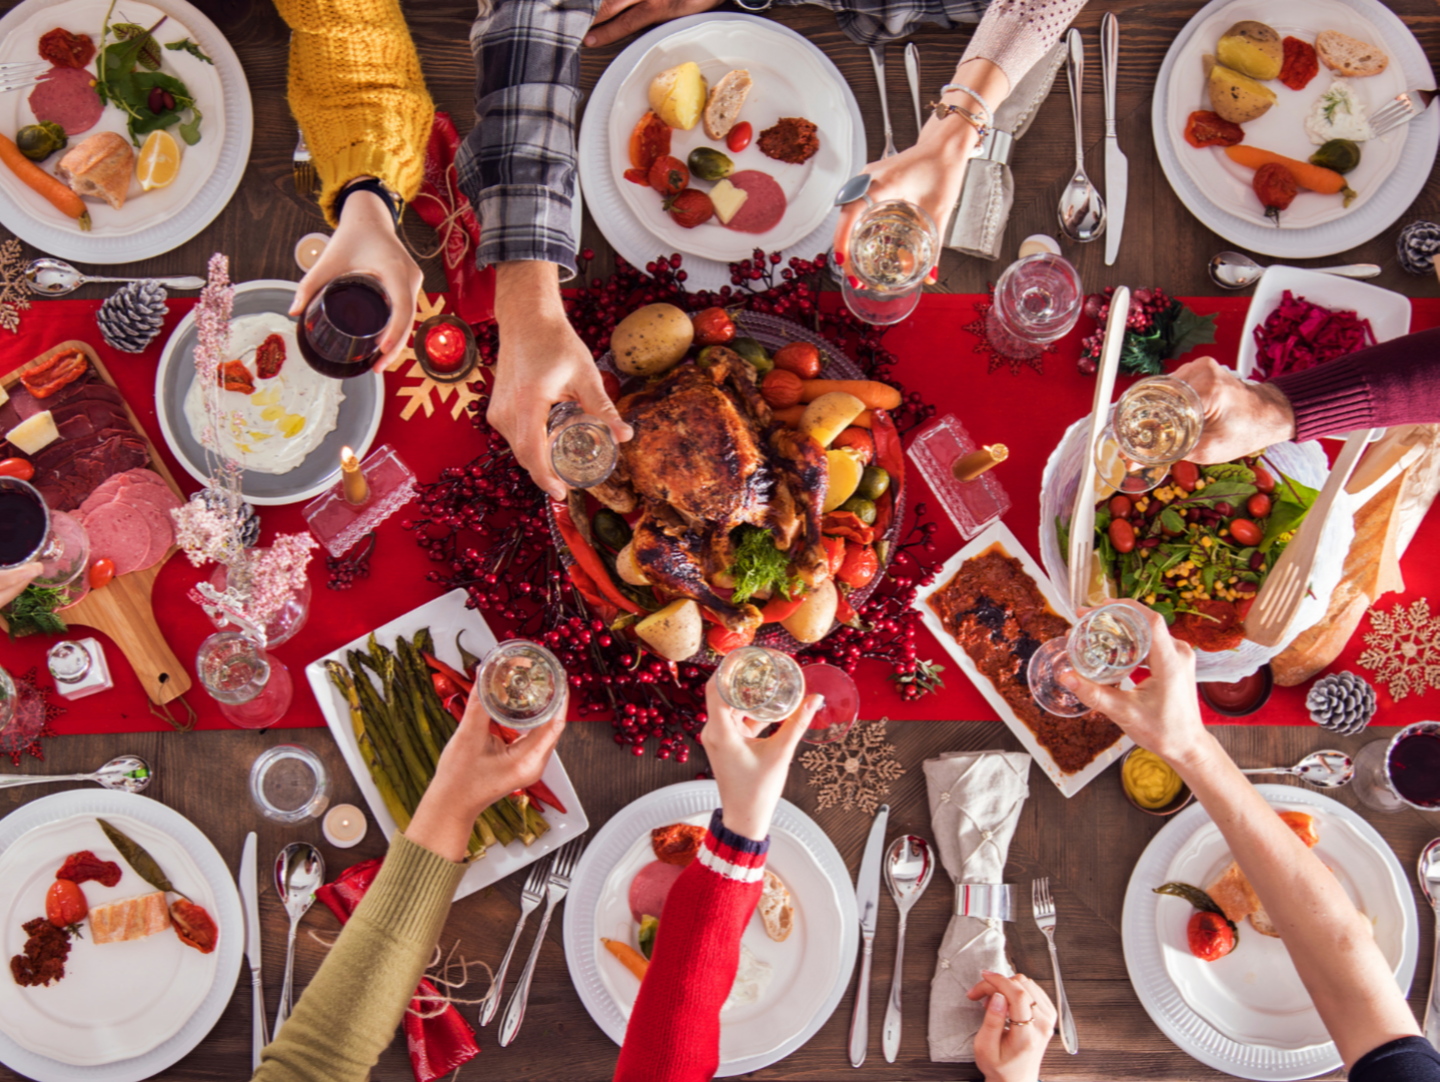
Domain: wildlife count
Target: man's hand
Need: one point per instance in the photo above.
(14, 581)
(1241, 418)
(542, 362)
(366, 242)
(617, 19)
(1013, 1053)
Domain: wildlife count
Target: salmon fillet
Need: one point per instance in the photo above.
(130, 918)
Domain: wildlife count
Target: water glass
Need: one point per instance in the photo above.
(1156, 423)
(522, 685)
(763, 684)
(1104, 646)
(582, 451)
(893, 246)
(253, 688)
(1037, 301)
(1400, 772)
(288, 784)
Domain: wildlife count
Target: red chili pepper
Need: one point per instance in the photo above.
(889, 456)
(588, 571)
(441, 669)
(844, 611)
(540, 793)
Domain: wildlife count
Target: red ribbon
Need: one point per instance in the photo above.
(444, 207)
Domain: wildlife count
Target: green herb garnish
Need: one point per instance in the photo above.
(758, 565)
(1199, 899)
(185, 45)
(33, 612)
(120, 83)
(139, 858)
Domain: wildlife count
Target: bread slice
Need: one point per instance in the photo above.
(101, 166)
(1234, 895)
(775, 908)
(130, 918)
(1261, 922)
(722, 108)
(1345, 55)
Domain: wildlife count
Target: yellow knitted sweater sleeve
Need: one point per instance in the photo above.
(357, 93)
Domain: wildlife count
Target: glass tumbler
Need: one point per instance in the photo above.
(1037, 301)
(288, 784)
(893, 246)
(253, 688)
(1104, 646)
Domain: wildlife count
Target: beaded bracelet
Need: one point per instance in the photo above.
(989, 112)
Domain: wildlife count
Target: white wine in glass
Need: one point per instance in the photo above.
(1104, 646)
(1156, 423)
(763, 684)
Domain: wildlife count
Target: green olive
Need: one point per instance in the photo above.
(707, 163)
(753, 352)
(861, 508)
(1341, 155)
(38, 141)
(612, 530)
(874, 483)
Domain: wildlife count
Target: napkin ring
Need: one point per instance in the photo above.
(987, 901)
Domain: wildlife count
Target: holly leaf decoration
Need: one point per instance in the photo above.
(1142, 354)
(1189, 331)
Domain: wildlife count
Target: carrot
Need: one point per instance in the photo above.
(1315, 177)
(875, 395)
(42, 183)
(629, 957)
(790, 415)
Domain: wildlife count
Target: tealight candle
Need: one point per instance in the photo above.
(351, 477)
(344, 826)
(445, 348)
(977, 462)
(308, 249)
(1038, 242)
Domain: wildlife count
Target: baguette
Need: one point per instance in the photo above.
(100, 166)
(775, 908)
(722, 109)
(1345, 55)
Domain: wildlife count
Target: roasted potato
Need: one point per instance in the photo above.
(675, 632)
(1252, 49)
(652, 340)
(829, 415)
(811, 621)
(629, 570)
(1237, 98)
(678, 95)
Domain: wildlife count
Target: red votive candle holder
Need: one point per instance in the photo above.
(445, 348)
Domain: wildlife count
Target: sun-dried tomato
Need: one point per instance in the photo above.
(1216, 625)
(1207, 129)
(234, 376)
(1300, 64)
(848, 525)
(193, 925)
(270, 357)
(84, 866)
(1275, 186)
(67, 50)
(59, 371)
(679, 843)
(649, 140)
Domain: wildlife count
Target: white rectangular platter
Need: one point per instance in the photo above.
(445, 617)
(1069, 784)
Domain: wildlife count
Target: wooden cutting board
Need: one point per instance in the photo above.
(123, 610)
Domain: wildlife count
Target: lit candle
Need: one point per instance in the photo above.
(977, 462)
(344, 826)
(446, 346)
(356, 490)
(1038, 242)
(308, 249)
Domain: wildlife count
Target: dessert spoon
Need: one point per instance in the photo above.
(1082, 211)
(909, 866)
(127, 773)
(54, 278)
(299, 871)
(1235, 270)
(1322, 769)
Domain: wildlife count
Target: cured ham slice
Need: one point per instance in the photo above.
(130, 918)
(650, 886)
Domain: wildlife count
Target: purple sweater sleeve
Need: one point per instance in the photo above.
(1394, 383)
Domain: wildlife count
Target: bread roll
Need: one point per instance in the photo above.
(775, 908)
(101, 166)
(1345, 55)
(722, 109)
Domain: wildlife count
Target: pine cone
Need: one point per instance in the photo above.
(1417, 246)
(132, 316)
(1342, 703)
(219, 502)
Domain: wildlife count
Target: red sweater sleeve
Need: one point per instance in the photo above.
(674, 1030)
(1394, 383)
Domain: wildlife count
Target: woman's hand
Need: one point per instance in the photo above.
(1013, 1053)
(366, 242)
(617, 19)
(750, 771)
(14, 581)
(1241, 418)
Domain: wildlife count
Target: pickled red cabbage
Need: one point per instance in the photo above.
(1300, 335)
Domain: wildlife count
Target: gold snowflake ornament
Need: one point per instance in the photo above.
(1403, 650)
(855, 772)
(419, 393)
(14, 293)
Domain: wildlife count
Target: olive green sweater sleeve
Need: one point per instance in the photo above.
(348, 1014)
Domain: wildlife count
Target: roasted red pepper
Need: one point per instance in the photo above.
(84, 866)
(1207, 129)
(67, 50)
(777, 608)
(588, 572)
(270, 357)
(59, 371)
(193, 925)
(847, 524)
(1301, 64)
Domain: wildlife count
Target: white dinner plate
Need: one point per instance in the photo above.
(1387, 311)
(810, 970)
(726, 40)
(1248, 1014)
(446, 617)
(1069, 784)
(359, 418)
(153, 222)
(123, 1011)
(1393, 168)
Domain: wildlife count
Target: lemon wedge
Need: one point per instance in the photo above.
(159, 161)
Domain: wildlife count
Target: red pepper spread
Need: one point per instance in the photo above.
(45, 954)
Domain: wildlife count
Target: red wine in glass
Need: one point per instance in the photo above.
(1414, 767)
(341, 328)
(24, 523)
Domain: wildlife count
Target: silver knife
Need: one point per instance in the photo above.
(1117, 167)
(250, 899)
(912, 73)
(867, 906)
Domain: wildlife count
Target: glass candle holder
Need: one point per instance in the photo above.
(522, 685)
(893, 246)
(1156, 423)
(338, 524)
(288, 784)
(764, 684)
(79, 668)
(972, 505)
(284, 625)
(582, 451)
(445, 348)
(253, 688)
(1104, 646)
(1037, 301)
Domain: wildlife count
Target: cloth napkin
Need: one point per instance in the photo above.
(437, 1045)
(975, 802)
(978, 224)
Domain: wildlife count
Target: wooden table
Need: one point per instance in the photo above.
(1086, 845)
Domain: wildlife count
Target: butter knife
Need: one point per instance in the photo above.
(912, 73)
(250, 899)
(1082, 520)
(1117, 166)
(867, 906)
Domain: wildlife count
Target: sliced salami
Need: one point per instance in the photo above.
(650, 887)
(765, 205)
(68, 97)
(120, 533)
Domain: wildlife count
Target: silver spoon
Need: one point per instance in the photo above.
(1082, 211)
(1322, 769)
(127, 773)
(54, 278)
(1235, 270)
(299, 871)
(909, 866)
(1430, 887)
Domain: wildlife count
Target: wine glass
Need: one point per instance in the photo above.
(253, 687)
(893, 246)
(522, 685)
(1156, 423)
(341, 328)
(1037, 301)
(1104, 646)
(29, 530)
(582, 451)
(1405, 770)
(835, 718)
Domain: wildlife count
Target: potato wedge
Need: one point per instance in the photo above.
(651, 340)
(1238, 98)
(628, 568)
(1252, 49)
(678, 95)
(812, 620)
(845, 474)
(675, 632)
(829, 415)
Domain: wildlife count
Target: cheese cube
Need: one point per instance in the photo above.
(35, 434)
(4, 396)
(728, 200)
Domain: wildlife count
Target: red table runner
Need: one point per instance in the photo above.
(1028, 412)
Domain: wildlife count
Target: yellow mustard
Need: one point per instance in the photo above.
(1149, 779)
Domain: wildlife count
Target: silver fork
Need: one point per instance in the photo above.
(562, 865)
(305, 179)
(1402, 109)
(530, 898)
(1044, 907)
(20, 74)
(877, 61)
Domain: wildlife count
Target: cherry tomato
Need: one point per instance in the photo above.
(1246, 532)
(1185, 474)
(65, 903)
(739, 137)
(713, 327)
(101, 572)
(1120, 506)
(18, 468)
(1258, 505)
(1210, 936)
(1122, 535)
(1263, 481)
(669, 176)
(690, 208)
(802, 358)
(860, 566)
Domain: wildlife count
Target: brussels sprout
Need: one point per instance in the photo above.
(707, 163)
(862, 508)
(612, 530)
(38, 141)
(874, 483)
(1341, 155)
(753, 352)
